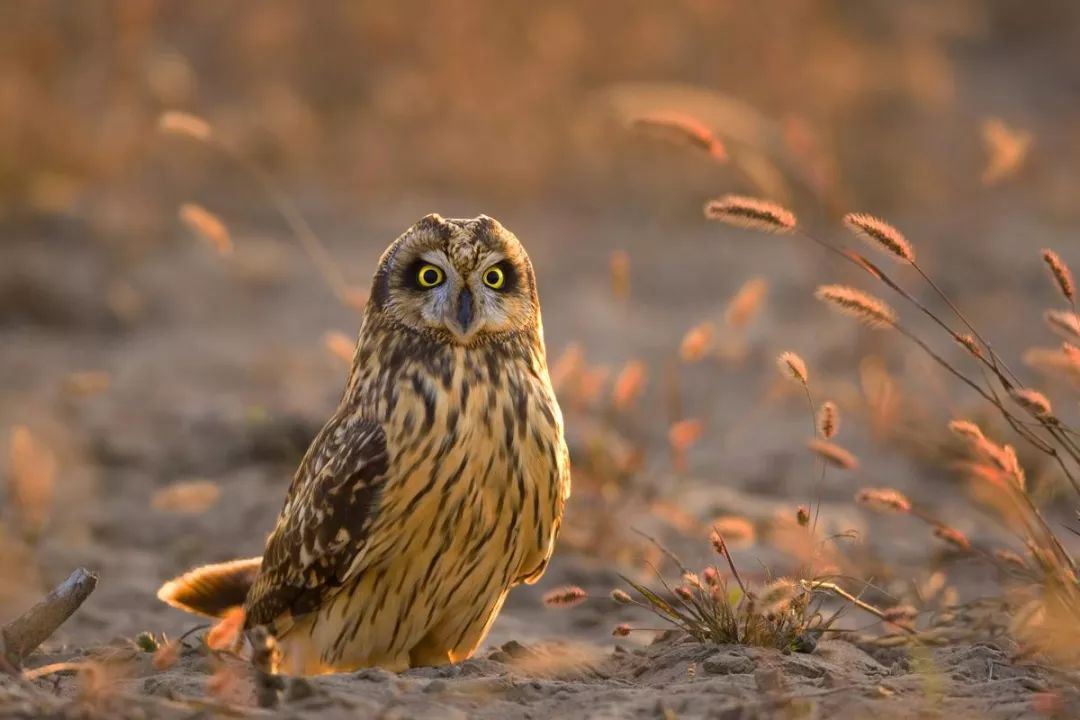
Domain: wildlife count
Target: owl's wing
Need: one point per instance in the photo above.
(323, 528)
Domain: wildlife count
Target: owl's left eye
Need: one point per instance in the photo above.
(494, 277)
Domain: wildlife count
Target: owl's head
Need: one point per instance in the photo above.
(459, 281)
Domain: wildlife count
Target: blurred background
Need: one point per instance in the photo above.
(156, 390)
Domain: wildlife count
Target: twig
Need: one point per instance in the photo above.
(24, 634)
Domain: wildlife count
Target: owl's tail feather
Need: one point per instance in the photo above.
(212, 589)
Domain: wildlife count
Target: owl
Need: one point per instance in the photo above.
(437, 485)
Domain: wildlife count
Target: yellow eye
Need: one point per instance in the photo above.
(494, 277)
(430, 276)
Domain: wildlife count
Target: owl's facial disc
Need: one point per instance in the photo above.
(461, 280)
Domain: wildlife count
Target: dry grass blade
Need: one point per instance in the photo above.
(793, 367)
(751, 213)
(858, 304)
(880, 234)
(207, 226)
(1060, 272)
(833, 454)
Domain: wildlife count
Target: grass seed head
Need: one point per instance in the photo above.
(339, 345)
(953, 537)
(1063, 322)
(870, 310)
(565, 597)
(207, 226)
(751, 213)
(828, 419)
(793, 367)
(883, 499)
(1033, 401)
(879, 233)
(833, 454)
(226, 633)
(174, 122)
(622, 630)
(682, 127)
(745, 304)
(628, 384)
(696, 342)
(1060, 272)
(621, 597)
(802, 516)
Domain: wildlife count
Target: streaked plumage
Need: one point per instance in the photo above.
(437, 485)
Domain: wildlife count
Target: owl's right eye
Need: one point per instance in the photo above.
(430, 276)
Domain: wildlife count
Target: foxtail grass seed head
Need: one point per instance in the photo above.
(696, 342)
(802, 516)
(969, 344)
(620, 597)
(966, 430)
(1064, 323)
(793, 367)
(863, 306)
(883, 499)
(684, 592)
(900, 614)
(565, 597)
(1060, 272)
(622, 630)
(718, 543)
(628, 384)
(174, 122)
(339, 345)
(828, 419)
(207, 226)
(226, 633)
(833, 454)
(685, 433)
(953, 537)
(712, 576)
(745, 304)
(685, 128)
(879, 233)
(751, 213)
(1033, 401)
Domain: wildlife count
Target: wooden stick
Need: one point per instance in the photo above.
(24, 634)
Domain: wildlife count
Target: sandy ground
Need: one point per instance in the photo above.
(218, 372)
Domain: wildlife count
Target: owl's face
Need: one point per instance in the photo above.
(458, 281)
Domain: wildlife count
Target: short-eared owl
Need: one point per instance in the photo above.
(437, 485)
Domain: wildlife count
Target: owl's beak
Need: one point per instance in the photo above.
(464, 314)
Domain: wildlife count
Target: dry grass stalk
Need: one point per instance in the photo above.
(793, 367)
(181, 123)
(628, 385)
(696, 342)
(828, 419)
(565, 597)
(863, 306)
(1033, 401)
(879, 233)
(883, 499)
(189, 496)
(339, 345)
(685, 128)
(751, 213)
(620, 275)
(207, 226)
(745, 304)
(1064, 323)
(833, 454)
(32, 481)
(1061, 274)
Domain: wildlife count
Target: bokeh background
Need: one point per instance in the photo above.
(158, 392)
